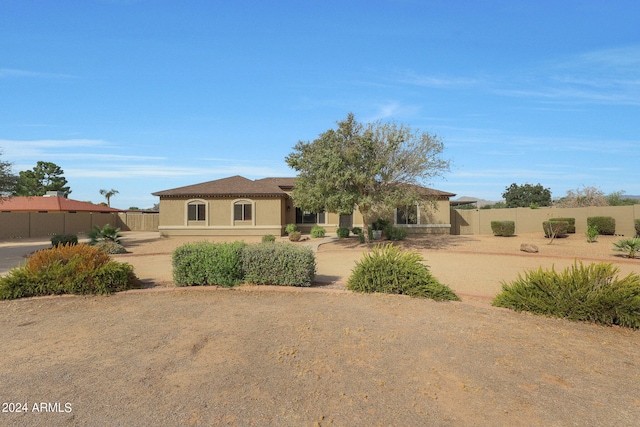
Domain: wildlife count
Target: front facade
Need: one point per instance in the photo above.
(237, 206)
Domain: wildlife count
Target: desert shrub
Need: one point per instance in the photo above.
(108, 232)
(388, 269)
(64, 239)
(290, 228)
(503, 228)
(396, 233)
(111, 247)
(380, 224)
(269, 238)
(342, 232)
(637, 226)
(588, 293)
(278, 264)
(555, 228)
(206, 263)
(592, 233)
(356, 230)
(317, 232)
(295, 236)
(629, 246)
(68, 269)
(606, 224)
(571, 227)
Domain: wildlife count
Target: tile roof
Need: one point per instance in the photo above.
(232, 186)
(240, 186)
(50, 204)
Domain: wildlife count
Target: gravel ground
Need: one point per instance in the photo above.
(320, 356)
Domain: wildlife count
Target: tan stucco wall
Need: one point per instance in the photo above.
(271, 215)
(40, 224)
(527, 220)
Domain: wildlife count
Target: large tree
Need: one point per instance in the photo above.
(45, 176)
(372, 167)
(583, 197)
(7, 179)
(522, 196)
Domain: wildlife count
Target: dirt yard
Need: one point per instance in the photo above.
(320, 356)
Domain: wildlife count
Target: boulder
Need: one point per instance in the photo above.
(529, 247)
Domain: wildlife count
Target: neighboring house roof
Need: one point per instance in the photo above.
(50, 204)
(235, 186)
(430, 192)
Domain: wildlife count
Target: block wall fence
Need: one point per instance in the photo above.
(15, 225)
(527, 220)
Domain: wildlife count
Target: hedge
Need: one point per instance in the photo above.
(606, 224)
(206, 263)
(278, 264)
(503, 228)
(571, 228)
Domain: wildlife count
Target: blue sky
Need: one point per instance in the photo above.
(143, 96)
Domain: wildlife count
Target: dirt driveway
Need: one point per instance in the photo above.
(321, 356)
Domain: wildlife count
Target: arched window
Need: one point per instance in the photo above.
(196, 211)
(242, 211)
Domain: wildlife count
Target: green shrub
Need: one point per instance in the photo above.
(571, 228)
(68, 269)
(630, 246)
(637, 226)
(111, 247)
(290, 228)
(557, 228)
(380, 224)
(388, 269)
(317, 232)
(396, 233)
(587, 293)
(108, 232)
(606, 224)
(592, 233)
(64, 239)
(295, 236)
(503, 228)
(269, 238)
(206, 263)
(278, 264)
(356, 230)
(342, 232)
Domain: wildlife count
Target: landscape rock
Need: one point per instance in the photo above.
(529, 247)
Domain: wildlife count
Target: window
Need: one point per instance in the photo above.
(196, 211)
(306, 217)
(407, 215)
(242, 211)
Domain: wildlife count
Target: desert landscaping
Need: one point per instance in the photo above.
(259, 355)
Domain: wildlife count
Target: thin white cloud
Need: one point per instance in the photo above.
(445, 82)
(15, 73)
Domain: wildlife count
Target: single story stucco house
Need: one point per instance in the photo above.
(237, 206)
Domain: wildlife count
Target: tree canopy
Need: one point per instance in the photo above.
(7, 178)
(372, 166)
(522, 196)
(45, 176)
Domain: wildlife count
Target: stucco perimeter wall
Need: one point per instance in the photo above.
(529, 220)
(39, 224)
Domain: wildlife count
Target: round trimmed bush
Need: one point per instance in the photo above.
(269, 238)
(295, 236)
(342, 232)
(503, 228)
(559, 228)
